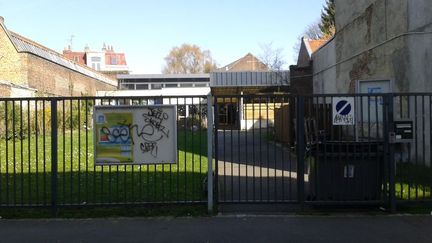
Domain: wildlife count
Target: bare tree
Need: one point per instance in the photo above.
(272, 57)
(312, 31)
(188, 59)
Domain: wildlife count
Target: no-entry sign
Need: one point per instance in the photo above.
(343, 110)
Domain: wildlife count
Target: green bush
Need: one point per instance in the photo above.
(21, 119)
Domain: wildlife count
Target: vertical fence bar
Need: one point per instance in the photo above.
(300, 148)
(391, 149)
(21, 137)
(210, 153)
(54, 156)
(7, 152)
(30, 201)
(216, 150)
(14, 152)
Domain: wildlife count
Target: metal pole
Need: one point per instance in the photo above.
(54, 156)
(300, 149)
(210, 124)
(391, 151)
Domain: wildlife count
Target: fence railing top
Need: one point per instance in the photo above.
(215, 96)
(99, 98)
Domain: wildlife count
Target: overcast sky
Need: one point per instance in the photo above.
(146, 30)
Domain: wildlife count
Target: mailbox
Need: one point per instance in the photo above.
(403, 131)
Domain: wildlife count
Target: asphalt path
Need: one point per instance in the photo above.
(285, 228)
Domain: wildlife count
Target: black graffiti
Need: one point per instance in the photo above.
(149, 147)
(115, 133)
(155, 117)
(151, 132)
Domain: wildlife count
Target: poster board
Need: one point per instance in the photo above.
(372, 107)
(135, 134)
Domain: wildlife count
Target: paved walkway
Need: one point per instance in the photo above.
(253, 168)
(222, 229)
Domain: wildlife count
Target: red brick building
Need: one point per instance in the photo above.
(106, 61)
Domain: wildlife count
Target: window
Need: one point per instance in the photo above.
(170, 85)
(186, 85)
(127, 86)
(200, 85)
(142, 86)
(76, 58)
(114, 61)
(156, 86)
(95, 59)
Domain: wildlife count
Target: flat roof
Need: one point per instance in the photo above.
(164, 76)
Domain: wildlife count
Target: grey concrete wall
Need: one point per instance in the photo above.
(420, 15)
(377, 43)
(324, 78)
(382, 39)
(347, 10)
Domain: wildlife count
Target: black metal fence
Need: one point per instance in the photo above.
(267, 148)
(284, 148)
(46, 155)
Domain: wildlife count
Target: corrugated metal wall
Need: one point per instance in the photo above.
(242, 79)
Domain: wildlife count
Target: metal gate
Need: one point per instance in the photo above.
(251, 166)
(285, 149)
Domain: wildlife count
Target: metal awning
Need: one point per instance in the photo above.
(249, 79)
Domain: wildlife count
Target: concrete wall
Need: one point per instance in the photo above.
(324, 78)
(382, 39)
(373, 41)
(347, 10)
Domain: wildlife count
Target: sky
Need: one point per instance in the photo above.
(147, 30)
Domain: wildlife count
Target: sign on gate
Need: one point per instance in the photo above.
(343, 111)
(135, 134)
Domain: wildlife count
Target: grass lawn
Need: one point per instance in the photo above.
(413, 182)
(25, 173)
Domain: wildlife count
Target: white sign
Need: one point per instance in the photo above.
(343, 110)
(135, 134)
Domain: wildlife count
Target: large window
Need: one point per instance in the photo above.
(156, 86)
(171, 85)
(114, 61)
(95, 59)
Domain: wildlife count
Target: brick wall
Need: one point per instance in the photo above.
(50, 78)
(5, 90)
(11, 64)
(47, 77)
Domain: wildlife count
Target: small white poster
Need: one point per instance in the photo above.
(343, 110)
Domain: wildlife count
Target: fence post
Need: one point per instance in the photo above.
(215, 111)
(300, 140)
(391, 151)
(210, 183)
(54, 156)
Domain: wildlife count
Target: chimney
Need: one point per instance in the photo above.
(86, 48)
(1, 20)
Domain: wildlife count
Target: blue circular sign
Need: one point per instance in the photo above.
(343, 107)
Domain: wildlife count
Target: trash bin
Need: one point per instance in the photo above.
(346, 171)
